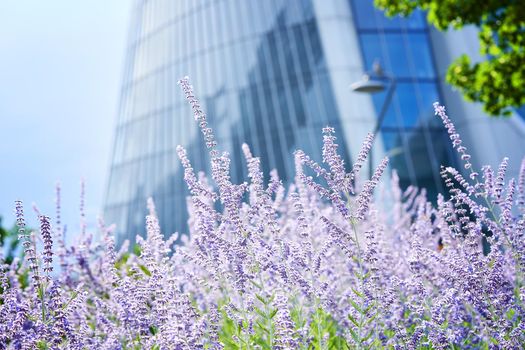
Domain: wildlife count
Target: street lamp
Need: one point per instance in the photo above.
(371, 84)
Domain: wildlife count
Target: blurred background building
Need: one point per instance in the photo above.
(272, 74)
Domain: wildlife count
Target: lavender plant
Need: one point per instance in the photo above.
(333, 261)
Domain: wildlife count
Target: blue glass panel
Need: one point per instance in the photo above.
(428, 94)
(397, 153)
(314, 42)
(407, 105)
(307, 9)
(297, 37)
(390, 119)
(373, 50)
(411, 105)
(403, 55)
(330, 113)
(419, 55)
(369, 17)
(300, 114)
(365, 14)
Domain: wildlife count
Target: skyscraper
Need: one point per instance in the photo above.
(272, 74)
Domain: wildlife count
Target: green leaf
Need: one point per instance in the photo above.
(262, 327)
(370, 319)
(145, 270)
(353, 320)
(259, 312)
(369, 308)
(42, 345)
(354, 336)
(273, 313)
(366, 337)
(358, 293)
(261, 299)
(356, 307)
(256, 284)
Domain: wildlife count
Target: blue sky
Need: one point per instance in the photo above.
(60, 71)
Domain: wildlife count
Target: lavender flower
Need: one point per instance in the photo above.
(456, 139)
(521, 186)
(47, 255)
(28, 243)
(286, 268)
(199, 115)
(334, 160)
(500, 179)
(361, 156)
(364, 197)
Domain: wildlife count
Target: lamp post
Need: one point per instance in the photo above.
(371, 84)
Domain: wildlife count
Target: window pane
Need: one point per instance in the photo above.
(419, 53)
(403, 55)
(428, 95)
(369, 17)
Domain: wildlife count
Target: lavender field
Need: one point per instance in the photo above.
(334, 261)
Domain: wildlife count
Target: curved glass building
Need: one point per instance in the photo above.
(269, 73)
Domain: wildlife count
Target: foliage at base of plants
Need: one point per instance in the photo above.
(8, 243)
(333, 261)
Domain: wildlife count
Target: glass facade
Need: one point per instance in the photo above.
(413, 138)
(260, 71)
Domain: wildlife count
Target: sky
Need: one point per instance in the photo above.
(61, 64)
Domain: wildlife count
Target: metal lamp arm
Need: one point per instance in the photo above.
(386, 103)
(381, 117)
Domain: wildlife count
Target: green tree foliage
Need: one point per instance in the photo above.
(499, 81)
(8, 243)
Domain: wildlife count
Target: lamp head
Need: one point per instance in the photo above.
(368, 85)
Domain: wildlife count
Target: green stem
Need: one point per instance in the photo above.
(267, 312)
(41, 292)
(245, 319)
(361, 279)
(318, 324)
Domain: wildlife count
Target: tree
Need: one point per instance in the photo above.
(499, 81)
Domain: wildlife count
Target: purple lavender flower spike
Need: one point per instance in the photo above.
(361, 156)
(521, 187)
(499, 183)
(365, 196)
(199, 115)
(456, 139)
(332, 158)
(47, 254)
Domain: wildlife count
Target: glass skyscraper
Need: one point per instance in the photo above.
(269, 73)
